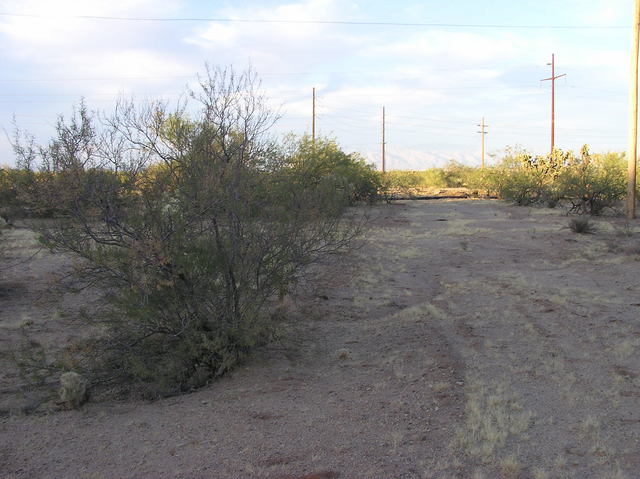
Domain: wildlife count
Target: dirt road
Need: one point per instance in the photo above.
(465, 338)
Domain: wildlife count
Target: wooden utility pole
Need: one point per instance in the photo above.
(633, 117)
(313, 118)
(553, 97)
(483, 132)
(383, 140)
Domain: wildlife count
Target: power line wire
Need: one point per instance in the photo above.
(319, 22)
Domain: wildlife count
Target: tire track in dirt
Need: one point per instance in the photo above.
(540, 348)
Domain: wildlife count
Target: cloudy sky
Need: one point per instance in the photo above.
(437, 66)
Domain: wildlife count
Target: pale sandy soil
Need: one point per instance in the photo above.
(483, 341)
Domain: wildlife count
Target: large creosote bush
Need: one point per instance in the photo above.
(192, 221)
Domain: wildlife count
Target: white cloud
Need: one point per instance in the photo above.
(221, 34)
(604, 12)
(56, 28)
(277, 47)
(59, 47)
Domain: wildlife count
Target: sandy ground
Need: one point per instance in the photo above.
(465, 338)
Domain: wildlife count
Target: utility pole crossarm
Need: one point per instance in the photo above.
(554, 77)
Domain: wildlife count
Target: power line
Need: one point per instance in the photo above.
(46, 80)
(318, 22)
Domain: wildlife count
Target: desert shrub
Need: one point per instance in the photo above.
(518, 180)
(589, 183)
(191, 225)
(398, 183)
(532, 179)
(323, 161)
(406, 178)
(476, 178)
(8, 194)
(432, 177)
(593, 183)
(386, 192)
(582, 225)
(16, 184)
(457, 175)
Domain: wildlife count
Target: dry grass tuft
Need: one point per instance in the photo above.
(539, 473)
(582, 225)
(493, 414)
(510, 467)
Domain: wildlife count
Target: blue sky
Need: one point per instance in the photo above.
(435, 82)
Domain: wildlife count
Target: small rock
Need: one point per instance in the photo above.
(343, 353)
